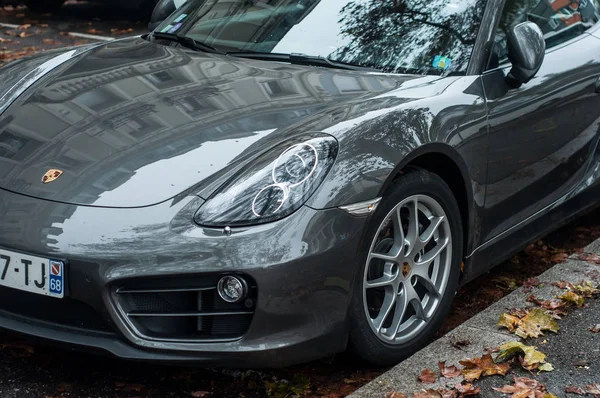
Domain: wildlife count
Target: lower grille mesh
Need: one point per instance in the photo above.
(184, 310)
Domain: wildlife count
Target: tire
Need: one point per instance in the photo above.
(388, 339)
(44, 6)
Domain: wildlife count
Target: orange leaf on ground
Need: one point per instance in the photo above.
(563, 285)
(525, 387)
(445, 393)
(484, 366)
(427, 376)
(466, 389)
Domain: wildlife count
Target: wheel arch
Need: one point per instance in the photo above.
(447, 163)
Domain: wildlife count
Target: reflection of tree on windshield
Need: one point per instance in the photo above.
(407, 36)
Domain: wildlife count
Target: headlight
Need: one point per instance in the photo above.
(274, 186)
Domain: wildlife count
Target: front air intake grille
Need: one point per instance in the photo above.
(187, 310)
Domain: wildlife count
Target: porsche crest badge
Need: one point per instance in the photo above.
(51, 175)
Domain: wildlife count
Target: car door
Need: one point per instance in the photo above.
(541, 135)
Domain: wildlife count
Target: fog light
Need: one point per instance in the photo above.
(232, 289)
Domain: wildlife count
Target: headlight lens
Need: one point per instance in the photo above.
(275, 186)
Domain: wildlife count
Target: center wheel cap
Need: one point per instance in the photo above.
(406, 268)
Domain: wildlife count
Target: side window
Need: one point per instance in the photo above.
(560, 20)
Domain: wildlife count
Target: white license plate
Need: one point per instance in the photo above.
(33, 274)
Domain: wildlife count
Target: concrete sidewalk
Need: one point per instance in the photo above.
(574, 351)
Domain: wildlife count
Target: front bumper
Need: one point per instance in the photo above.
(303, 267)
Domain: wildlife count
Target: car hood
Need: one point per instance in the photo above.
(133, 123)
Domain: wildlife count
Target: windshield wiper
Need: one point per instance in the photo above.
(300, 59)
(187, 42)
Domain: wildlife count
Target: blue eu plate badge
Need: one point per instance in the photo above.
(57, 269)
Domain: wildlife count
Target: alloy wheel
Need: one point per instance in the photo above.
(407, 269)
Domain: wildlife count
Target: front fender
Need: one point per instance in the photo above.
(385, 139)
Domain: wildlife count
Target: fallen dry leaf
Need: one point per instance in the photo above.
(530, 283)
(589, 257)
(448, 371)
(459, 343)
(563, 284)
(559, 257)
(587, 289)
(593, 390)
(531, 325)
(25, 26)
(50, 42)
(572, 298)
(448, 393)
(466, 389)
(482, 366)
(552, 304)
(427, 376)
(595, 329)
(525, 387)
(531, 358)
(394, 394)
(427, 394)
(505, 282)
(574, 390)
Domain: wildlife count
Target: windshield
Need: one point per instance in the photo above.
(397, 36)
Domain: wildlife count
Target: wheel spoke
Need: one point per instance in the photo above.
(382, 256)
(427, 235)
(385, 280)
(399, 239)
(412, 235)
(422, 274)
(402, 303)
(432, 254)
(386, 307)
(419, 311)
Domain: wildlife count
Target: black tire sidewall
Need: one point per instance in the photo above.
(362, 339)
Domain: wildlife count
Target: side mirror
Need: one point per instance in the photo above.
(162, 10)
(526, 49)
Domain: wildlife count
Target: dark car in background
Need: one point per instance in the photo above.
(266, 182)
